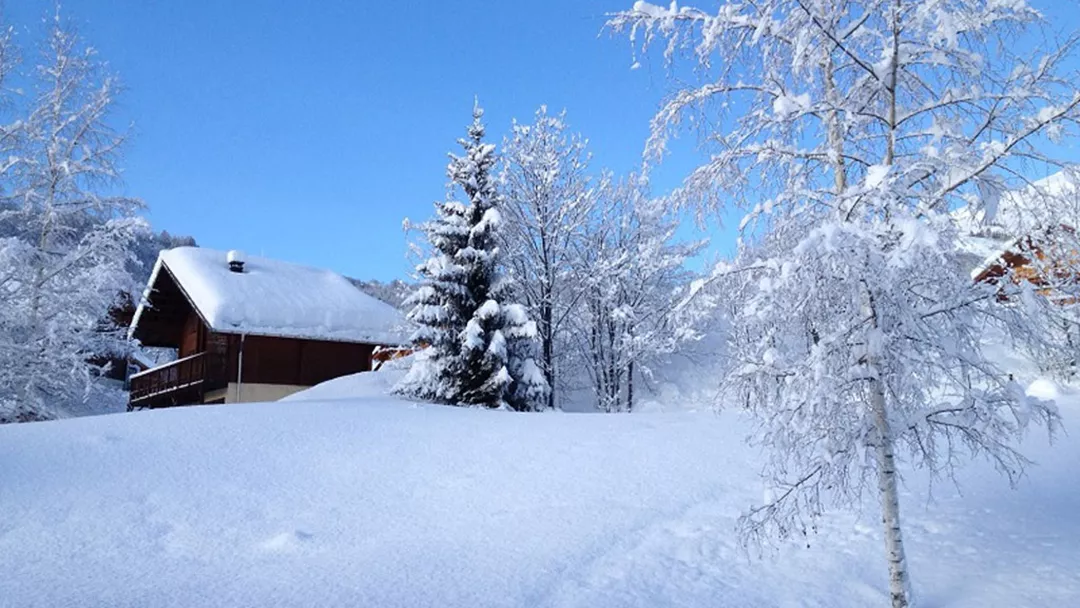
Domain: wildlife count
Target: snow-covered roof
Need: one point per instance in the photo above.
(993, 257)
(275, 298)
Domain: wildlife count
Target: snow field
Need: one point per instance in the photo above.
(378, 502)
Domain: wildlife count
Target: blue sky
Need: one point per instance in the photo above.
(307, 131)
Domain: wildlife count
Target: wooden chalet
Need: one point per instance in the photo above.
(1048, 260)
(252, 329)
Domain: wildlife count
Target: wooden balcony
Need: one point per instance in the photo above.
(182, 382)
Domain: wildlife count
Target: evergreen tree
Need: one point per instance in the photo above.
(478, 344)
(529, 389)
(439, 309)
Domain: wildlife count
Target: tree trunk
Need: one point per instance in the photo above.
(1071, 350)
(597, 355)
(613, 371)
(548, 346)
(630, 387)
(27, 405)
(899, 584)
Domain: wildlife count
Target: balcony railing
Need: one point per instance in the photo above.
(181, 382)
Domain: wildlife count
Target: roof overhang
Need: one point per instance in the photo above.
(163, 310)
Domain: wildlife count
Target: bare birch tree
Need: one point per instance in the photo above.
(68, 246)
(847, 131)
(546, 199)
(632, 269)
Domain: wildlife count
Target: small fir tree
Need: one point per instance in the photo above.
(479, 344)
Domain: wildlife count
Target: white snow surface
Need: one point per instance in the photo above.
(276, 298)
(371, 501)
(362, 385)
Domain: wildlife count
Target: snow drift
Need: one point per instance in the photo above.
(378, 502)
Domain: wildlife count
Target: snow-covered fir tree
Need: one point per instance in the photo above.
(439, 308)
(66, 241)
(478, 345)
(848, 130)
(547, 201)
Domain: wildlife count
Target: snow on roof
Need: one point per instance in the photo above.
(979, 247)
(993, 257)
(275, 298)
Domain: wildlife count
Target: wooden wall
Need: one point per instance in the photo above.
(277, 360)
(296, 362)
(193, 336)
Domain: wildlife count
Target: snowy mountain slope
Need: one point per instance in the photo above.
(1044, 203)
(377, 502)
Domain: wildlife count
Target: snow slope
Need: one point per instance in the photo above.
(362, 385)
(377, 502)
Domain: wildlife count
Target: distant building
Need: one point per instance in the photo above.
(1028, 238)
(1046, 259)
(252, 329)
